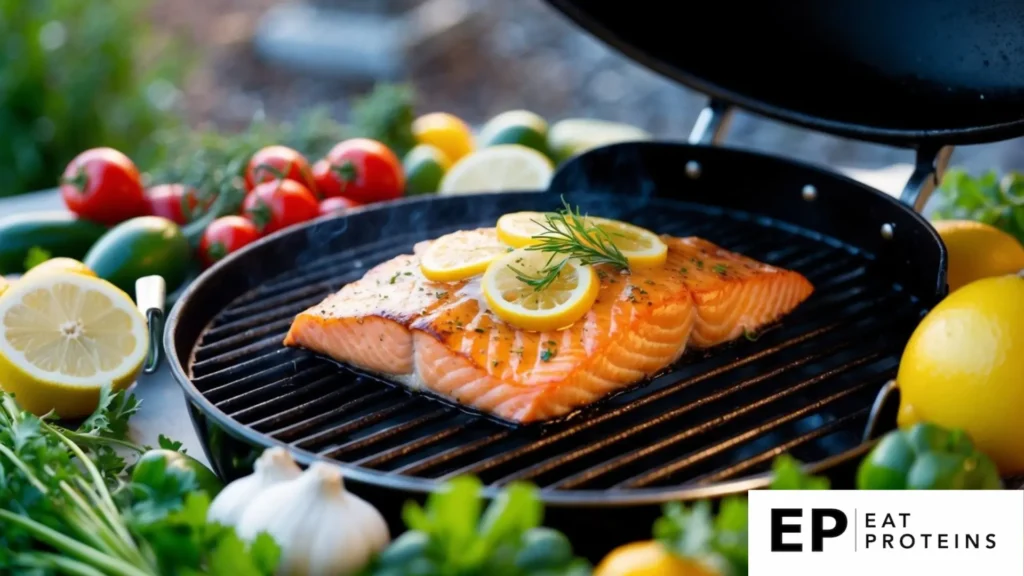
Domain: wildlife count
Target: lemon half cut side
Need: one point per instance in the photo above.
(63, 336)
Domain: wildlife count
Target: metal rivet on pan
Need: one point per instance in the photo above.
(809, 192)
(693, 169)
(888, 230)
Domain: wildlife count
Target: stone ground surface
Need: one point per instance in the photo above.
(525, 56)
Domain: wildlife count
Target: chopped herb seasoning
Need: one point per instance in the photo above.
(683, 269)
(495, 363)
(602, 274)
(552, 343)
(479, 330)
(393, 278)
(640, 290)
(547, 354)
(440, 295)
(517, 351)
(720, 268)
(700, 264)
(407, 273)
(649, 282)
(750, 335)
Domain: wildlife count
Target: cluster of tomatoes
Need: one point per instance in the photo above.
(282, 189)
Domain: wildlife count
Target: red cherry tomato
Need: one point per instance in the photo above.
(176, 202)
(272, 206)
(328, 182)
(337, 204)
(368, 170)
(277, 162)
(103, 185)
(225, 235)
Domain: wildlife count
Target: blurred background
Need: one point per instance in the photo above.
(144, 76)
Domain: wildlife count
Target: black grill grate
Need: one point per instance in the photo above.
(804, 386)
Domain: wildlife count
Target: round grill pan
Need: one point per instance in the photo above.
(708, 426)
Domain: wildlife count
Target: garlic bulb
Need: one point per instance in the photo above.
(274, 466)
(322, 529)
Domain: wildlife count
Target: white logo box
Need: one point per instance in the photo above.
(934, 532)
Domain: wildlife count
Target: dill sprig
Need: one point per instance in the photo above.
(568, 234)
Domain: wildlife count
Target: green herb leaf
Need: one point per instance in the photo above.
(984, 198)
(788, 474)
(35, 257)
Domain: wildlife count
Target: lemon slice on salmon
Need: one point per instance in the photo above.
(63, 336)
(518, 229)
(556, 305)
(461, 255)
(641, 247)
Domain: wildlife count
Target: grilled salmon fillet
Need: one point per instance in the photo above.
(441, 338)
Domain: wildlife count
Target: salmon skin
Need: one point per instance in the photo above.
(441, 338)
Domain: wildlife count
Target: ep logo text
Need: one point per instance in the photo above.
(824, 523)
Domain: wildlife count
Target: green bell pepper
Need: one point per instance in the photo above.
(927, 457)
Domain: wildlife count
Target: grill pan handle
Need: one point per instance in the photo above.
(150, 296)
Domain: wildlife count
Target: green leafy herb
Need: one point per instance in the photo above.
(66, 506)
(568, 234)
(35, 257)
(695, 532)
(986, 198)
(788, 474)
(454, 535)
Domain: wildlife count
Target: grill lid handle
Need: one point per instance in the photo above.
(928, 170)
(712, 124)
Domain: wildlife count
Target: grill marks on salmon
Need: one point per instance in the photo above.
(440, 337)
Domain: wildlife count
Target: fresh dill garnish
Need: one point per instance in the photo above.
(567, 233)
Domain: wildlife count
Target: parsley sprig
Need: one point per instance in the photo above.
(570, 235)
(67, 506)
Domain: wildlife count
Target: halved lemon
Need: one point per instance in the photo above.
(497, 169)
(461, 255)
(640, 246)
(558, 305)
(63, 336)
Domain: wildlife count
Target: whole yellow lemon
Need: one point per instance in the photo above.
(964, 368)
(977, 251)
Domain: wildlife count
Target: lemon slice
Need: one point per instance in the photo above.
(497, 169)
(460, 255)
(518, 229)
(556, 306)
(640, 246)
(4, 285)
(63, 335)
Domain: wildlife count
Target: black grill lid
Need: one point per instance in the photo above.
(901, 72)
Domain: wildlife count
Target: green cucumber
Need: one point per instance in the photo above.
(143, 246)
(58, 233)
